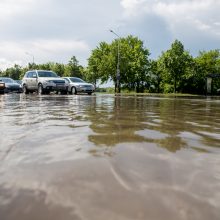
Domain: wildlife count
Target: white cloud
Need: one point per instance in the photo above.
(188, 12)
(56, 50)
(158, 22)
(54, 30)
(4, 63)
(133, 4)
(54, 45)
(201, 15)
(10, 8)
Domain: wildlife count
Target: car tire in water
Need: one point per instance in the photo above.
(73, 91)
(40, 90)
(25, 89)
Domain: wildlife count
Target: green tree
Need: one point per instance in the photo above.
(175, 62)
(14, 72)
(134, 63)
(73, 68)
(58, 68)
(155, 76)
(208, 62)
(101, 64)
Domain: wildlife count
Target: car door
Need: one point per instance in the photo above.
(27, 80)
(34, 81)
(31, 80)
(68, 82)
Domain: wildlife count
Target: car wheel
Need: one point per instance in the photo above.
(40, 90)
(73, 91)
(25, 90)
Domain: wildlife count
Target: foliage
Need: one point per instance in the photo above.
(99, 67)
(133, 58)
(13, 72)
(73, 68)
(175, 61)
(204, 64)
(155, 76)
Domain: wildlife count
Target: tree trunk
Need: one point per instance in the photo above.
(174, 85)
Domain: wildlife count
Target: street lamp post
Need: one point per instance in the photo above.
(118, 65)
(30, 55)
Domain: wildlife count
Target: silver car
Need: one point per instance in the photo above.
(77, 85)
(43, 82)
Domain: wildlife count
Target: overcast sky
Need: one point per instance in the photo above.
(55, 30)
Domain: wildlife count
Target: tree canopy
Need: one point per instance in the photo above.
(133, 62)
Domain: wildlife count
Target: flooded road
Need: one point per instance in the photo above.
(103, 157)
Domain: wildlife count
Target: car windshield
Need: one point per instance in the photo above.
(75, 79)
(46, 74)
(18, 81)
(7, 80)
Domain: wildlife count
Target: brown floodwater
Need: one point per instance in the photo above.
(106, 157)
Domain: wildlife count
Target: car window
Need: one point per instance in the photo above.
(30, 75)
(18, 81)
(75, 79)
(7, 80)
(46, 74)
(66, 79)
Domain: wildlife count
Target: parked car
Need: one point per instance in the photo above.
(77, 85)
(11, 85)
(2, 87)
(43, 82)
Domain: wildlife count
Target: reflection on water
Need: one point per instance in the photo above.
(109, 157)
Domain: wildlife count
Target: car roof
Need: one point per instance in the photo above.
(71, 77)
(40, 70)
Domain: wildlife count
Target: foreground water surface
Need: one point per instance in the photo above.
(106, 157)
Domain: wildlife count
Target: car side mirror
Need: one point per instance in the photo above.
(34, 75)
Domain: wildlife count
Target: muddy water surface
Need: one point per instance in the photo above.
(103, 157)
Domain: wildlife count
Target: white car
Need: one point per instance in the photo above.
(77, 85)
(44, 82)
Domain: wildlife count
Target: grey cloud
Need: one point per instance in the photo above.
(67, 19)
(161, 22)
(152, 30)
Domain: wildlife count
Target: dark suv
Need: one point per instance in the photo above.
(43, 82)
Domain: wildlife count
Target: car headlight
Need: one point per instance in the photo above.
(48, 82)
